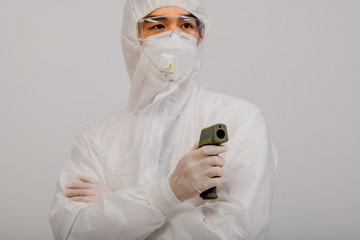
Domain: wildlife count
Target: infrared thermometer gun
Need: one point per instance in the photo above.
(213, 135)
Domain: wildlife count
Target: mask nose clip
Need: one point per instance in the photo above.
(176, 31)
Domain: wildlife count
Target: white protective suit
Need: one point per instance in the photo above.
(133, 152)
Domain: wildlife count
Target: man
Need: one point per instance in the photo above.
(138, 174)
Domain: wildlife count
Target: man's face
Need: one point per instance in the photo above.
(166, 19)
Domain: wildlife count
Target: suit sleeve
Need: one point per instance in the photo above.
(123, 214)
(152, 211)
(242, 210)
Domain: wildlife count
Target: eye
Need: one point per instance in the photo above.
(187, 25)
(158, 26)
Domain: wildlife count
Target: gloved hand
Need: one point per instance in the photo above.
(195, 171)
(87, 191)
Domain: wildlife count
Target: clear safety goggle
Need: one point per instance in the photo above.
(157, 24)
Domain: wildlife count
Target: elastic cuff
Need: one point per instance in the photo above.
(162, 196)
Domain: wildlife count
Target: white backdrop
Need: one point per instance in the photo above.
(61, 67)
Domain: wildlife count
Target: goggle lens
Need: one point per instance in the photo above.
(157, 24)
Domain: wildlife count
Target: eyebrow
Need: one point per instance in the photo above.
(155, 17)
(163, 17)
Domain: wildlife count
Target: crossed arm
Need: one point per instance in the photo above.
(88, 210)
(198, 170)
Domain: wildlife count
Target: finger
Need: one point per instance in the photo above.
(212, 150)
(213, 182)
(212, 161)
(77, 199)
(78, 192)
(87, 179)
(83, 199)
(209, 183)
(81, 185)
(196, 146)
(212, 172)
(216, 181)
(89, 199)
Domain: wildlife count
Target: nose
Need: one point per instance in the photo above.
(175, 30)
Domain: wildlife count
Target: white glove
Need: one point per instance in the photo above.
(88, 190)
(195, 172)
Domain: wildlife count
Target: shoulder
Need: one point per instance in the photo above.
(231, 106)
(241, 116)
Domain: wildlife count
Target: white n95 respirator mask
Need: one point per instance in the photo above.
(172, 53)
